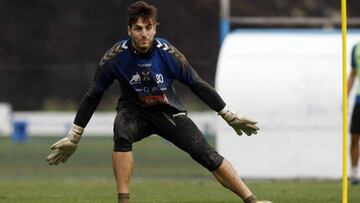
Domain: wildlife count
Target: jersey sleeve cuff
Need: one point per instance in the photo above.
(224, 110)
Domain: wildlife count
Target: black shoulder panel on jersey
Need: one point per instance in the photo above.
(113, 51)
(173, 50)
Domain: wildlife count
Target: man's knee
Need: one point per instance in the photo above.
(122, 145)
(211, 160)
(355, 139)
(217, 160)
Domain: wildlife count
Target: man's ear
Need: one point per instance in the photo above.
(129, 31)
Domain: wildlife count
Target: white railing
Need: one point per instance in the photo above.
(39, 123)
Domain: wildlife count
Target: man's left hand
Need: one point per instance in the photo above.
(239, 124)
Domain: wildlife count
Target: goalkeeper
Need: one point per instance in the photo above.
(145, 68)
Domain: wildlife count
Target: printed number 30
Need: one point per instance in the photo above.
(159, 78)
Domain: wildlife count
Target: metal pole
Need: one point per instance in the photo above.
(224, 19)
(345, 103)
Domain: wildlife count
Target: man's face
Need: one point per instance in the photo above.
(142, 34)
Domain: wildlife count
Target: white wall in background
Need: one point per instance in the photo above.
(5, 118)
(101, 124)
(290, 81)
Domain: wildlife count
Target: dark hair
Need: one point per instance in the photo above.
(141, 9)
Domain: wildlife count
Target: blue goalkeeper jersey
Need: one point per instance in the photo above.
(145, 79)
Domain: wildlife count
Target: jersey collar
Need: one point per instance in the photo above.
(136, 52)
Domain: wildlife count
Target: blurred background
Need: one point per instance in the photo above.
(49, 51)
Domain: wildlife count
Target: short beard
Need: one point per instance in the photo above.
(141, 49)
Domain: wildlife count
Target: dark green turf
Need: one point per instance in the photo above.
(162, 174)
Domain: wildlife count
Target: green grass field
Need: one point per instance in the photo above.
(162, 174)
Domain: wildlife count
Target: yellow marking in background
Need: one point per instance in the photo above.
(345, 103)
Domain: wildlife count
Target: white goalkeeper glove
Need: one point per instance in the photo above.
(240, 125)
(64, 148)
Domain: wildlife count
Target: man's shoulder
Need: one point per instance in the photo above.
(356, 46)
(116, 49)
(165, 47)
(160, 40)
(356, 50)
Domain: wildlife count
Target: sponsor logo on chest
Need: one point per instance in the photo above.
(147, 65)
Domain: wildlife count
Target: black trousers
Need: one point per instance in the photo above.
(355, 120)
(133, 123)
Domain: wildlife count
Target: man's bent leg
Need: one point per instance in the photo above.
(122, 163)
(186, 135)
(354, 150)
(228, 177)
(354, 153)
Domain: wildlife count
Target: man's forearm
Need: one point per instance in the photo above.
(87, 107)
(208, 95)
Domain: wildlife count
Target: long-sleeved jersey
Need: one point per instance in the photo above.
(145, 79)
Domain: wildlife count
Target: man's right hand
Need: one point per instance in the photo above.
(64, 148)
